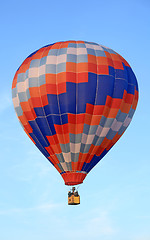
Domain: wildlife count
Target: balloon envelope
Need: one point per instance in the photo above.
(74, 100)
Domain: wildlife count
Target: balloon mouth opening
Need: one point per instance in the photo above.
(73, 178)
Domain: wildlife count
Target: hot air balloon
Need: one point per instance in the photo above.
(74, 100)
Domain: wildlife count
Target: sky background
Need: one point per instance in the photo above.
(115, 196)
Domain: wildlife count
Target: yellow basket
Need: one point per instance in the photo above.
(73, 200)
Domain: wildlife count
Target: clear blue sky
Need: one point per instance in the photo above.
(115, 196)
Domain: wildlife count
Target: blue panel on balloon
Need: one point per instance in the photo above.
(64, 118)
(52, 107)
(39, 111)
(36, 131)
(105, 87)
(51, 124)
(68, 98)
(111, 71)
(119, 87)
(121, 74)
(131, 76)
(86, 93)
(44, 152)
(131, 88)
(43, 126)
